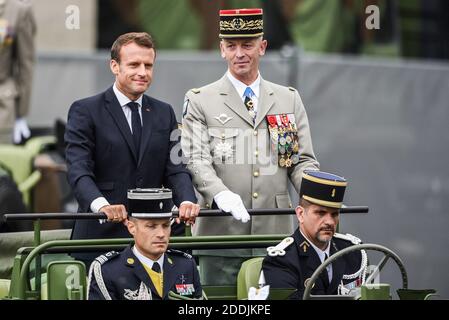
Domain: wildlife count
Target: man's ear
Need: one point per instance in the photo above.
(115, 67)
(131, 225)
(222, 49)
(300, 213)
(263, 47)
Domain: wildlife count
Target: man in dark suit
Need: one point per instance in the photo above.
(291, 263)
(122, 139)
(146, 270)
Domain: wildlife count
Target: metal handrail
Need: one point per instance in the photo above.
(203, 213)
(252, 241)
(200, 242)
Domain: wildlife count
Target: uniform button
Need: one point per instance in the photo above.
(256, 173)
(255, 133)
(207, 206)
(223, 136)
(196, 172)
(256, 153)
(255, 195)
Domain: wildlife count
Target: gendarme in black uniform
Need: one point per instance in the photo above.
(300, 262)
(133, 275)
(291, 263)
(121, 276)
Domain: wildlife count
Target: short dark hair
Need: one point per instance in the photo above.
(304, 203)
(142, 39)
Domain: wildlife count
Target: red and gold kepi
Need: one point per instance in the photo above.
(241, 23)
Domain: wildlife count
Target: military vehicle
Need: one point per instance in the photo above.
(37, 264)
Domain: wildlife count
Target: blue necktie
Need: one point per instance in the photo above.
(136, 124)
(249, 103)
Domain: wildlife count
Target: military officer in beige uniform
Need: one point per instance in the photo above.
(17, 30)
(244, 138)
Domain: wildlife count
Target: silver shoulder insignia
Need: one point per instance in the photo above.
(291, 89)
(106, 257)
(185, 107)
(348, 237)
(186, 255)
(279, 249)
(95, 271)
(195, 90)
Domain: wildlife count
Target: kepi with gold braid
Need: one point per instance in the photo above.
(322, 188)
(241, 23)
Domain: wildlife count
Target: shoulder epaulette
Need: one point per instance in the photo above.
(279, 249)
(107, 257)
(348, 237)
(95, 272)
(195, 90)
(291, 89)
(186, 255)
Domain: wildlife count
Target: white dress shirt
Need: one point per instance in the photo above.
(321, 255)
(147, 261)
(123, 100)
(241, 87)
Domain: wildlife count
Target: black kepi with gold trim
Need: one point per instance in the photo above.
(241, 23)
(152, 203)
(322, 188)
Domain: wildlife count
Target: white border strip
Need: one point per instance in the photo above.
(151, 215)
(149, 196)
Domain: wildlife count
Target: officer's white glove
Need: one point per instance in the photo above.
(21, 130)
(230, 202)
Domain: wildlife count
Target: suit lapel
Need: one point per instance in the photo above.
(147, 118)
(338, 268)
(309, 263)
(138, 269)
(114, 108)
(170, 274)
(233, 101)
(266, 101)
(312, 264)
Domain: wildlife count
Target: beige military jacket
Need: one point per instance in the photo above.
(17, 30)
(226, 151)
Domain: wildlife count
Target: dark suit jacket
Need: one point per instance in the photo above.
(102, 160)
(298, 264)
(123, 273)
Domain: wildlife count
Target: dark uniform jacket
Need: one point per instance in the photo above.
(124, 277)
(102, 159)
(301, 260)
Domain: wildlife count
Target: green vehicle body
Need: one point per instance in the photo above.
(37, 265)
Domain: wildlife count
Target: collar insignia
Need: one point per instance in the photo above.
(304, 245)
